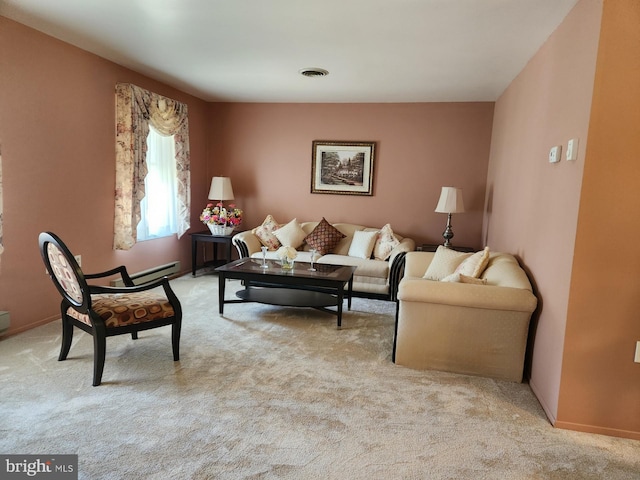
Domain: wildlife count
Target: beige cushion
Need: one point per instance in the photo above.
(265, 233)
(366, 267)
(452, 278)
(362, 244)
(444, 263)
(473, 280)
(475, 264)
(324, 237)
(385, 243)
(291, 234)
(459, 278)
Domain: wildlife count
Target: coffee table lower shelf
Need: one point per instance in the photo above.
(289, 297)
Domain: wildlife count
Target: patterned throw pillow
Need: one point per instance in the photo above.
(265, 233)
(444, 263)
(291, 234)
(385, 243)
(324, 237)
(362, 244)
(475, 264)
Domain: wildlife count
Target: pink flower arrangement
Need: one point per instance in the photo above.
(219, 215)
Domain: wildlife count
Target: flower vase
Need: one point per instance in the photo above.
(220, 229)
(286, 263)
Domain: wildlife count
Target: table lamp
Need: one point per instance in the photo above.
(450, 202)
(221, 190)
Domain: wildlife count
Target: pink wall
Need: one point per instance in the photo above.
(600, 390)
(532, 205)
(266, 150)
(57, 139)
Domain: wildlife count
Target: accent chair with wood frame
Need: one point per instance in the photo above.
(103, 311)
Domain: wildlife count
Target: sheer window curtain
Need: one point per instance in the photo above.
(136, 109)
(159, 202)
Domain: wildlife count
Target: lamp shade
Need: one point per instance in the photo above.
(221, 189)
(450, 201)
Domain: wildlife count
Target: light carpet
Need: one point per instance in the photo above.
(268, 392)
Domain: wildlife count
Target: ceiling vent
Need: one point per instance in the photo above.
(314, 72)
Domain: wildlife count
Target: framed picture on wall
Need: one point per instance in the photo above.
(342, 168)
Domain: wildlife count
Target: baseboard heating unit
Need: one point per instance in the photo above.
(4, 322)
(150, 274)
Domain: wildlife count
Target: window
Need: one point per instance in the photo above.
(136, 110)
(158, 209)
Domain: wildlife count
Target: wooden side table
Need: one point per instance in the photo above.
(432, 248)
(207, 237)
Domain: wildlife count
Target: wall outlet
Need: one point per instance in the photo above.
(637, 357)
(554, 154)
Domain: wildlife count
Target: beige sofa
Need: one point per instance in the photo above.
(465, 328)
(373, 278)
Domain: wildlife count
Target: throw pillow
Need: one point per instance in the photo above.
(453, 278)
(475, 281)
(362, 244)
(291, 235)
(458, 278)
(324, 237)
(385, 243)
(475, 264)
(445, 261)
(265, 233)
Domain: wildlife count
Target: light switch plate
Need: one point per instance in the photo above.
(572, 149)
(554, 154)
(637, 357)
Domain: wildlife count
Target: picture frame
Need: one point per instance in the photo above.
(342, 168)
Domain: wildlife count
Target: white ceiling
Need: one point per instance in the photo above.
(252, 50)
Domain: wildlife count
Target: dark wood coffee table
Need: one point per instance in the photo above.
(292, 288)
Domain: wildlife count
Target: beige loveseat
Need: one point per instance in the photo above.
(475, 329)
(373, 278)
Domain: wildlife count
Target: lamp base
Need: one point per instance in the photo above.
(448, 232)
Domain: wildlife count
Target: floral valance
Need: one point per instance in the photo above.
(136, 108)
